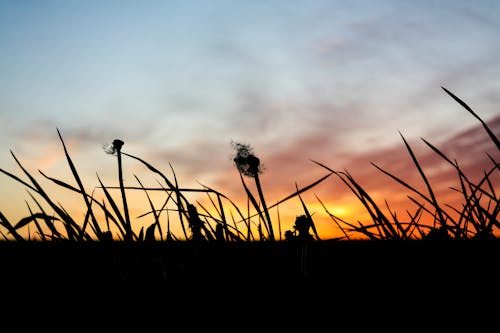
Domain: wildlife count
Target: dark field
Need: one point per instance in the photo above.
(322, 264)
(283, 284)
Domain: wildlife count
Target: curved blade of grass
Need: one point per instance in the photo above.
(158, 172)
(4, 236)
(28, 219)
(395, 221)
(72, 226)
(169, 184)
(80, 186)
(254, 203)
(87, 214)
(334, 218)
(364, 230)
(10, 228)
(375, 212)
(414, 223)
(179, 196)
(95, 224)
(362, 196)
(165, 203)
(457, 168)
(463, 104)
(220, 195)
(37, 225)
(114, 206)
(218, 209)
(18, 180)
(408, 186)
(153, 210)
(301, 190)
(107, 213)
(108, 216)
(222, 213)
(208, 229)
(217, 221)
(48, 222)
(294, 194)
(433, 198)
(207, 213)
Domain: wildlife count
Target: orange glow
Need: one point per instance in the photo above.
(335, 209)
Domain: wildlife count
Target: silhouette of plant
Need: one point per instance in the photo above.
(115, 149)
(476, 218)
(300, 230)
(196, 224)
(249, 165)
(302, 226)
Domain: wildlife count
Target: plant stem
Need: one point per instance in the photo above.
(128, 228)
(264, 206)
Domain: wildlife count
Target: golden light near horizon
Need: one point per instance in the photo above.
(180, 82)
(149, 205)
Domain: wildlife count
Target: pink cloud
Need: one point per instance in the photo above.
(292, 164)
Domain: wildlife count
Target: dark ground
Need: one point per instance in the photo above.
(285, 284)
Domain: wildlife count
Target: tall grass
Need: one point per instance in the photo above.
(197, 222)
(477, 218)
(108, 217)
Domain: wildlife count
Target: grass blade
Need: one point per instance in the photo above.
(488, 130)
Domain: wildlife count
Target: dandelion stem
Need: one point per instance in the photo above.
(128, 228)
(264, 206)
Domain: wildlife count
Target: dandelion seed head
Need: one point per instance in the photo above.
(109, 148)
(114, 147)
(245, 160)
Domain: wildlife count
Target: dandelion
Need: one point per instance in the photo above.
(300, 230)
(115, 149)
(302, 225)
(249, 165)
(245, 160)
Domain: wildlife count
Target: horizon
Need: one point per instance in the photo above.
(330, 81)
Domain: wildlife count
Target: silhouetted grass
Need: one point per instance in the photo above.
(477, 218)
(225, 221)
(226, 268)
(203, 227)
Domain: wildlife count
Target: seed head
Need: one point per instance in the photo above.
(245, 160)
(114, 147)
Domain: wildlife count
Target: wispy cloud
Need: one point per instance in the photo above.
(326, 81)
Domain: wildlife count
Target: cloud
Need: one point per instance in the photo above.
(291, 164)
(468, 147)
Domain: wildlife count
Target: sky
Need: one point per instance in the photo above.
(336, 82)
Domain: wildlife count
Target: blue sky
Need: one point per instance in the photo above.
(178, 81)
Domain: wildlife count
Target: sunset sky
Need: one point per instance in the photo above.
(178, 81)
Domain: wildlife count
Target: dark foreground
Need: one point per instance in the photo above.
(325, 262)
(415, 280)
